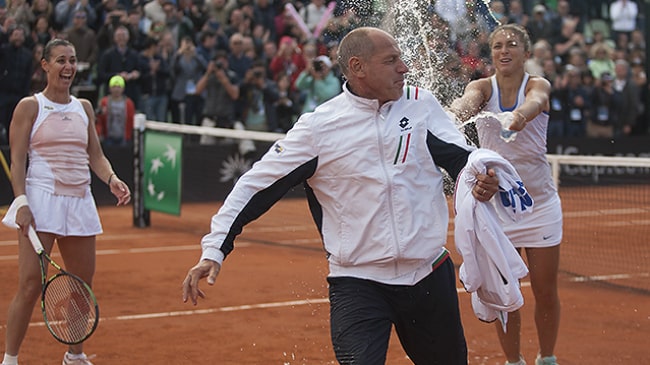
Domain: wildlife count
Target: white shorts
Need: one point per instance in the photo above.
(64, 215)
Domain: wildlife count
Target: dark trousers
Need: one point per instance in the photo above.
(192, 105)
(8, 103)
(426, 317)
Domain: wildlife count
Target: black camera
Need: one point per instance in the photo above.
(219, 64)
(258, 74)
(115, 19)
(318, 65)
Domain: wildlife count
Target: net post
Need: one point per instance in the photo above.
(555, 169)
(141, 217)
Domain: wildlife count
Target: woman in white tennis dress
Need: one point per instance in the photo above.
(57, 132)
(512, 101)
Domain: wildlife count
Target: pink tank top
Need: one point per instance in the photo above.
(58, 156)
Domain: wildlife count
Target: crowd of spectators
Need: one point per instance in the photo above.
(261, 63)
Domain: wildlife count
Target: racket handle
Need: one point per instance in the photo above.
(33, 238)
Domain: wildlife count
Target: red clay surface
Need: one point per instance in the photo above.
(269, 305)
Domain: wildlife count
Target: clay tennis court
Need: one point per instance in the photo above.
(269, 305)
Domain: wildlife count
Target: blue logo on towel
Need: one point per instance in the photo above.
(509, 198)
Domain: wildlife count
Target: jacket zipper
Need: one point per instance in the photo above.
(379, 120)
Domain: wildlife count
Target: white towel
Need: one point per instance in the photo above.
(491, 266)
(9, 219)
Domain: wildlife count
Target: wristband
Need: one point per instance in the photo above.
(20, 201)
(520, 114)
(110, 178)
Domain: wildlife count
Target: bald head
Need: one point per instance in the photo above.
(358, 43)
(371, 61)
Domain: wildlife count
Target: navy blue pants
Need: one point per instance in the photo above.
(426, 318)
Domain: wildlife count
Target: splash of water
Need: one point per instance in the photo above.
(424, 40)
(428, 33)
(504, 119)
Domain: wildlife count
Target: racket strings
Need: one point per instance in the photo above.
(70, 309)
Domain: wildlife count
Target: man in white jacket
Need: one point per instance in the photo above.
(370, 160)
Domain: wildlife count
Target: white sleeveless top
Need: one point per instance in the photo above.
(58, 156)
(527, 153)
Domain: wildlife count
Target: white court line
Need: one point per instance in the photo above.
(237, 308)
(593, 213)
(584, 279)
(292, 303)
(634, 222)
(202, 311)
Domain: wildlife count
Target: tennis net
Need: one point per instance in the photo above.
(605, 200)
(212, 160)
(606, 211)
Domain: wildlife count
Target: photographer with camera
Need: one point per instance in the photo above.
(220, 87)
(188, 67)
(258, 95)
(317, 83)
(113, 18)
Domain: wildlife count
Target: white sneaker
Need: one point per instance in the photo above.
(70, 359)
(520, 362)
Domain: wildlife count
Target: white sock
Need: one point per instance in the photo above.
(72, 356)
(10, 360)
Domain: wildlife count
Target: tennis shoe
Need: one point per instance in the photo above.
(520, 362)
(70, 359)
(548, 360)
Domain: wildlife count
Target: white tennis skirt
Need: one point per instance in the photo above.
(542, 228)
(64, 215)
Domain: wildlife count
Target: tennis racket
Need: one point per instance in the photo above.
(68, 304)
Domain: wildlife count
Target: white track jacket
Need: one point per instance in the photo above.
(491, 266)
(373, 182)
